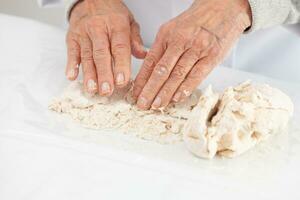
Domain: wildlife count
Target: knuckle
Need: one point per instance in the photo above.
(190, 57)
(86, 54)
(201, 44)
(147, 92)
(139, 83)
(197, 73)
(177, 46)
(71, 35)
(205, 43)
(167, 90)
(71, 42)
(204, 33)
(149, 62)
(178, 42)
(73, 52)
(104, 71)
(120, 48)
(188, 83)
(179, 72)
(100, 53)
(178, 37)
(204, 38)
(161, 70)
(101, 49)
(142, 78)
(138, 88)
(119, 29)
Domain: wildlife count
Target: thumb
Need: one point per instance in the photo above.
(137, 46)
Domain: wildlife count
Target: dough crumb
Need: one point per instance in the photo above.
(119, 113)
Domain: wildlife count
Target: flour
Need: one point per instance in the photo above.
(210, 124)
(119, 113)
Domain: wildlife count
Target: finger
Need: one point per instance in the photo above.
(121, 53)
(180, 71)
(159, 75)
(199, 72)
(149, 63)
(137, 46)
(102, 59)
(73, 57)
(88, 66)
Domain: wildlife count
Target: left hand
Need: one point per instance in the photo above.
(102, 36)
(187, 48)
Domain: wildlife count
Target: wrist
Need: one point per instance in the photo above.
(237, 11)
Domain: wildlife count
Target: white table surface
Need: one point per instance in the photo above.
(45, 156)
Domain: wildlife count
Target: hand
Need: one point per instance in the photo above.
(102, 36)
(187, 48)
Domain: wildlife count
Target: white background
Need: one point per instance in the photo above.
(30, 9)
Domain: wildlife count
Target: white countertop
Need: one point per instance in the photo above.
(44, 156)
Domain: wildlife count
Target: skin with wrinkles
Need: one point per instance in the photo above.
(101, 38)
(187, 48)
(103, 34)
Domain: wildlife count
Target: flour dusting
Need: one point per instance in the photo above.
(119, 113)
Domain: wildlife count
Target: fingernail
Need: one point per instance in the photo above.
(120, 79)
(92, 85)
(162, 70)
(71, 73)
(105, 88)
(157, 102)
(177, 97)
(142, 102)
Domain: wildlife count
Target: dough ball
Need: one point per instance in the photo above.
(232, 123)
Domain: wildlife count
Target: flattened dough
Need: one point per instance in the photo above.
(118, 113)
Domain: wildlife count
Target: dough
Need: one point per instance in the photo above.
(211, 123)
(118, 113)
(232, 123)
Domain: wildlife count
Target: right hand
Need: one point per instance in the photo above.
(102, 36)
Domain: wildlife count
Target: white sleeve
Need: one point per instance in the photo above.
(46, 3)
(68, 4)
(68, 7)
(267, 13)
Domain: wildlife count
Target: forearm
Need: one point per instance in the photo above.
(268, 13)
